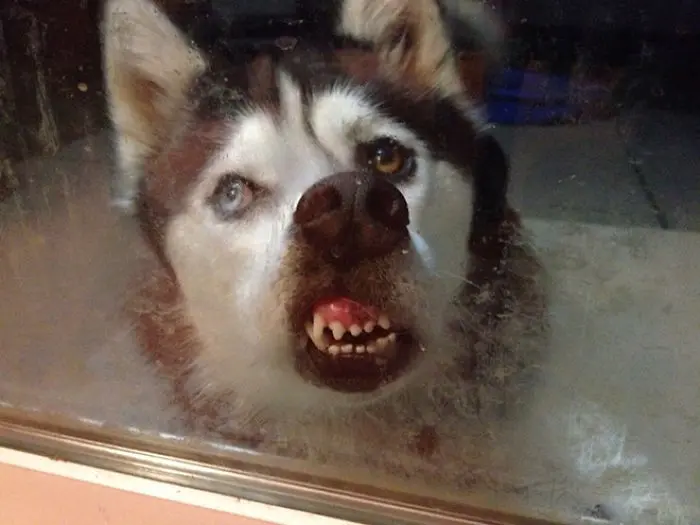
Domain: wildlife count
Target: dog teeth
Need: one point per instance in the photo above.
(383, 321)
(355, 330)
(320, 341)
(385, 345)
(338, 330)
(382, 347)
(319, 325)
(328, 337)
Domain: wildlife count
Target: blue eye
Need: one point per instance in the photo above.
(232, 196)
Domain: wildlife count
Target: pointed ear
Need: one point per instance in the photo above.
(412, 37)
(149, 67)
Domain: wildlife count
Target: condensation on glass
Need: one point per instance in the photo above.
(595, 417)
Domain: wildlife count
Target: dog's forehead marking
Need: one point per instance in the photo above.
(302, 141)
(276, 154)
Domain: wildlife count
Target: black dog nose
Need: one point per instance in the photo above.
(353, 216)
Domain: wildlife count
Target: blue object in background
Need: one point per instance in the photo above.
(520, 96)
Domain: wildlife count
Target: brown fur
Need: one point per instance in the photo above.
(169, 175)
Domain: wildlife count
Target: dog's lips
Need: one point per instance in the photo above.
(355, 347)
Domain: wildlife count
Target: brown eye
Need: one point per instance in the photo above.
(232, 196)
(386, 156)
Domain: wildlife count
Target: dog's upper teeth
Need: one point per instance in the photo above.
(320, 340)
(382, 346)
(355, 330)
(338, 330)
(383, 321)
(319, 325)
(322, 333)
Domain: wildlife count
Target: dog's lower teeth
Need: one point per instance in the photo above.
(381, 348)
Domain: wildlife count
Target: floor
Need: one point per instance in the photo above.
(638, 170)
(614, 209)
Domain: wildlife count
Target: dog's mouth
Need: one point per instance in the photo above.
(355, 347)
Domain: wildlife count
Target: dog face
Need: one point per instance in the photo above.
(314, 208)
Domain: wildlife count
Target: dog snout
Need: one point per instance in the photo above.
(350, 216)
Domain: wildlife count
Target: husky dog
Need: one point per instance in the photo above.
(331, 223)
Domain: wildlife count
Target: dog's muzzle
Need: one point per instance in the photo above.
(350, 217)
(347, 219)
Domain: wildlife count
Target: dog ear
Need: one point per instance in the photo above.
(149, 67)
(413, 40)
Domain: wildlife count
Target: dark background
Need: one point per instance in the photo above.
(51, 85)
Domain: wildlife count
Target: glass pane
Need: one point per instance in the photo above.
(362, 243)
